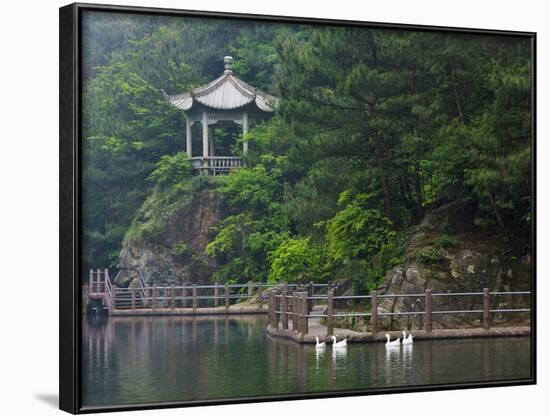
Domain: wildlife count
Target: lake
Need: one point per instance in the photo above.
(132, 360)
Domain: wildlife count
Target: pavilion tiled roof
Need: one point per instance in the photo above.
(226, 92)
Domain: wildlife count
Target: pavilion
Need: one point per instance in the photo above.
(225, 100)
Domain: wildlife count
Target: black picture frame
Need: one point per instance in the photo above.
(70, 204)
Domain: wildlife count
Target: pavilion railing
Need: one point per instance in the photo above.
(216, 163)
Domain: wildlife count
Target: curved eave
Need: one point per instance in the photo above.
(181, 101)
(266, 104)
(224, 93)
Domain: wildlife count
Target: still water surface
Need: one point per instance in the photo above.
(130, 360)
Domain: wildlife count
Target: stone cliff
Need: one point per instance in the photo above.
(169, 247)
(447, 253)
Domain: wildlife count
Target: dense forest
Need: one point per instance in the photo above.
(374, 129)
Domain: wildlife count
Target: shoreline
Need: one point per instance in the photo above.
(187, 311)
(379, 337)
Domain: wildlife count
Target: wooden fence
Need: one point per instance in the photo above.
(156, 299)
(287, 308)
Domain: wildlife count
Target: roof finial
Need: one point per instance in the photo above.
(228, 63)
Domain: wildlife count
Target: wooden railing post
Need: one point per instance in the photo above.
(284, 305)
(195, 297)
(428, 312)
(216, 295)
(91, 281)
(486, 308)
(330, 312)
(310, 294)
(133, 298)
(154, 297)
(374, 311)
(172, 297)
(96, 287)
(100, 282)
(300, 312)
(277, 316)
(250, 289)
(260, 294)
(270, 308)
(226, 297)
(295, 311)
(183, 292)
(105, 275)
(305, 313)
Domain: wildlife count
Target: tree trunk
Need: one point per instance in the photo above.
(378, 152)
(497, 213)
(379, 158)
(418, 192)
(454, 82)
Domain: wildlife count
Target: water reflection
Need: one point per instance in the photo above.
(406, 356)
(144, 359)
(339, 357)
(319, 355)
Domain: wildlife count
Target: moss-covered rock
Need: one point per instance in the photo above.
(168, 238)
(448, 254)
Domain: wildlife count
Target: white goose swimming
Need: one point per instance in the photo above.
(341, 344)
(389, 343)
(407, 340)
(318, 345)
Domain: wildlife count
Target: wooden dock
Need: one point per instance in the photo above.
(318, 330)
(232, 309)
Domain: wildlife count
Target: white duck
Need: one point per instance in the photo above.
(341, 344)
(389, 343)
(318, 345)
(407, 340)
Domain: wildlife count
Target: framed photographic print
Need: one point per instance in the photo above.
(259, 208)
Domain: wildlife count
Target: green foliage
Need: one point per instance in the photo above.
(431, 117)
(446, 241)
(181, 248)
(257, 188)
(357, 230)
(363, 241)
(390, 255)
(172, 170)
(128, 126)
(256, 56)
(374, 129)
(297, 260)
(430, 256)
(244, 240)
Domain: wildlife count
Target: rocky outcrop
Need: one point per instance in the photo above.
(174, 253)
(446, 253)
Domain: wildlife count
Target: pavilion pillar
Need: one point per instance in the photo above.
(204, 135)
(188, 139)
(245, 131)
(213, 141)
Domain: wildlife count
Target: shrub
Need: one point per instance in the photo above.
(172, 169)
(446, 241)
(297, 260)
(430, 256)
